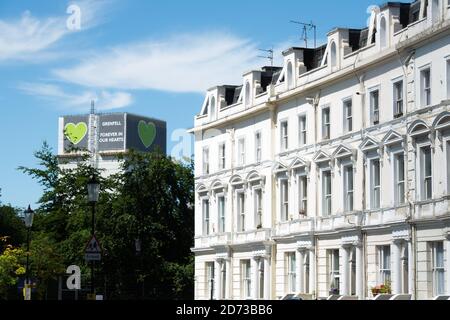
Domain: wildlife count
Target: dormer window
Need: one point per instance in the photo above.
(290, 75)
(247, 98)
(383, 33)
(213, 108)
(333, 55)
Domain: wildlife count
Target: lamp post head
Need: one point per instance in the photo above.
(29, 216)
(93, 187)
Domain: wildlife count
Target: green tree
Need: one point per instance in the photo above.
(11, 225)
(10, 267)
(151, 200)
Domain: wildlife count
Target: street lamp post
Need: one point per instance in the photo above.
(29, 216)
(93, 195)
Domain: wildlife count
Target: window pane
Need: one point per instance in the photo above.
(336, 261)
(376, 172)
(439, 254)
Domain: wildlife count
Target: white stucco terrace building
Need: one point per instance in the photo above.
(331, 174)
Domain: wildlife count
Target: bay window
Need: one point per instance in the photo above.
(303, 196)
(438, 268)
(291, 274)
(399, 174)
(348, 188)
(333, 271)
(246, 280)
(241, 211)
(206, 218)
(221, 205)
(326, 193)
(426, 169)
(284, 195)
(302, 131)
(210, 280)
(425, 87)
(384, 264)
(398, 99)
(258, 209)
(375, 184)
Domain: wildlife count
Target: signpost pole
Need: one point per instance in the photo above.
(93, 262)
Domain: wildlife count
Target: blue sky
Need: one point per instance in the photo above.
(154, 58)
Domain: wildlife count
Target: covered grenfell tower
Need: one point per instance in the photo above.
(106, 136)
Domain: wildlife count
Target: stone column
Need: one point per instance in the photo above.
(299, 270)
(267, 278)
(345, 271)
(396, 272)
(229, 279)
(411, 281)
(359, 272)
(217, 279)
(312, 272)
(255, 272)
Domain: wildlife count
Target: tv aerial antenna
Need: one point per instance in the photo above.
(269, 55)
(306, 27)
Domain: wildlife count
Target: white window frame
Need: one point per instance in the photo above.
(258, 200)
(347, 104)
(302, 195)
(425, 90)
(399, 184)
(326, 125)
(284, 135)
(221, 214)
(240, 195)
(291, 272)
(246, 279)
(222, 156)
(327, 200)
(375, 190)
(374, 112)
(241, 152)
(206, 214)
(302, 130)
(349, 193)
(284, 199)
(333, 269)
(398, 101)
(258, 146)
(425, 193)
(384, 271)
(438, 269)
(205, 161)
(210, 279)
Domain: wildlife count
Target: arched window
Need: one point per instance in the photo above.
(247, 97)
(213, 108)
(383, 33)
(435, 10)
(333, 55)
(290, 75)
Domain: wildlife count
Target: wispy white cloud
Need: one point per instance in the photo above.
(182, 63)
(29, 38)
(105, 100)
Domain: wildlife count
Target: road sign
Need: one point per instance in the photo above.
(93, 251)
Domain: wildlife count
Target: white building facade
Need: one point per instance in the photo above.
(331, 174)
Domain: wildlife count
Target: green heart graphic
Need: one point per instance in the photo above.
(75, 133)
(147, 133)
